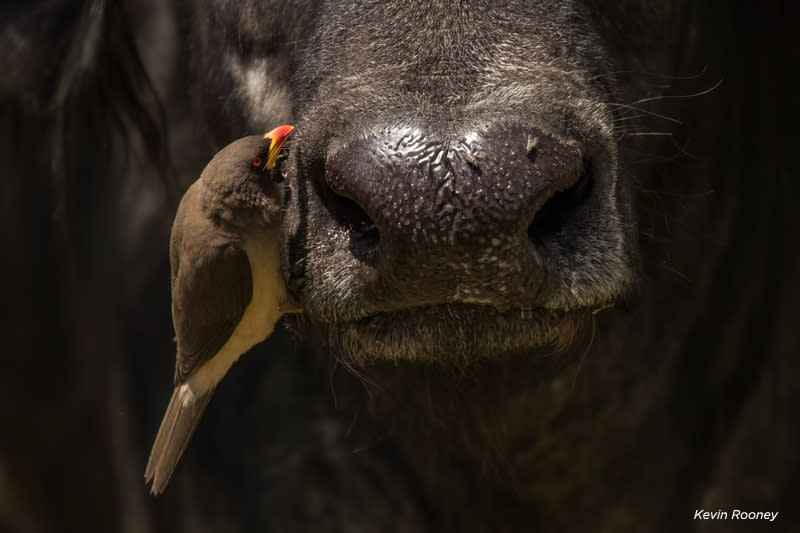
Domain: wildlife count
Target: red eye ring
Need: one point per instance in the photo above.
(256, 161)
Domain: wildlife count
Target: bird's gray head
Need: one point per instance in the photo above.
(240, 188)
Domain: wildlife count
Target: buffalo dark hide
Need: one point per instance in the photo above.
(681, 397)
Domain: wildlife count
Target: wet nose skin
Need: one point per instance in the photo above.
(452, 217)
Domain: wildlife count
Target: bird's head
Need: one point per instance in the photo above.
(241, 181)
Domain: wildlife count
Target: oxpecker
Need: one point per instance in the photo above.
(227, 287)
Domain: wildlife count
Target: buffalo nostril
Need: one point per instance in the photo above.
(557, 211)
(364, 235)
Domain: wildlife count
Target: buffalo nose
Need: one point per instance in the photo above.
(454, 219)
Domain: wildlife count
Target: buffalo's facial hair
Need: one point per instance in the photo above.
(454, 335)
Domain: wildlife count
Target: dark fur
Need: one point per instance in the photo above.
(462, 418)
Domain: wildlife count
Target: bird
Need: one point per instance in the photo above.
(227, 288)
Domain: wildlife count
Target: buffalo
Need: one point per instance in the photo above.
(546, 254)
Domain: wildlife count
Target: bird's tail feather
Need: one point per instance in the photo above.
(179, 423)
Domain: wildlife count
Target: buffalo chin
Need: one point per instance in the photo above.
(454, 334)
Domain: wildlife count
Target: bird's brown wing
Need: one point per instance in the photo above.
(211, 287)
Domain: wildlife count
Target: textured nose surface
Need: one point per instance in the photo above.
(457, 207)
(419, 188)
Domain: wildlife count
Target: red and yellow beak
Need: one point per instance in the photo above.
(276, 138)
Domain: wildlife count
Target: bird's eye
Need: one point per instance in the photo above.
(257, 162)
